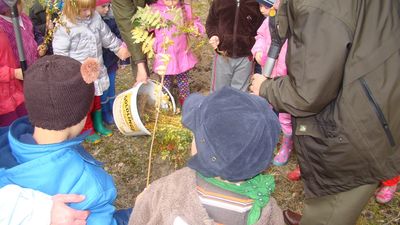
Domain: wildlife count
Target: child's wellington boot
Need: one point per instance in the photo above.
(385, 193)
(99, 126)
(93, 139)
(110, 109)
(111, 103)
(284, 153)
(294, 175)
(106, 113)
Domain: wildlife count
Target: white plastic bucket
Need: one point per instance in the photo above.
(125, 108)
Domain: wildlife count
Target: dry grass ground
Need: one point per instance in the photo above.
(126, 158)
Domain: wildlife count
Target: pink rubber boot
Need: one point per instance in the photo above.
(385, 193)
(284, 153)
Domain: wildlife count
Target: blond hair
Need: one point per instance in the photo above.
(72, 8)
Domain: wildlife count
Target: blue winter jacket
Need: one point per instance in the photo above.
(60, 168)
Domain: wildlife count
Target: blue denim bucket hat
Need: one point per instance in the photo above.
(235, 133)
(267, 3)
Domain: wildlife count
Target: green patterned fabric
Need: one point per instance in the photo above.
(258, 188)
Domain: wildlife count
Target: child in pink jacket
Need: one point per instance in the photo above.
(260, 51)
(182, 59)
(12, 104)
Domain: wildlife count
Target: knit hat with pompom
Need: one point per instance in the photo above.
(59, 91)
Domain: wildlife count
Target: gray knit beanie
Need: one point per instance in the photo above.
(56, 94)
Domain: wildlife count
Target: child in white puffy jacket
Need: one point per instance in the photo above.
(81, 35)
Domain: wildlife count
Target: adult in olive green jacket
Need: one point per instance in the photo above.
(343, 89)
(123, 11)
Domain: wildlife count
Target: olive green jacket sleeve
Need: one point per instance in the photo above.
(123, 11)
(317, 51)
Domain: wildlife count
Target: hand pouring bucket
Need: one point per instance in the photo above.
(125, 108)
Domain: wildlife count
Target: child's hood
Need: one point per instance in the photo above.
(24, 147)
(160, 3)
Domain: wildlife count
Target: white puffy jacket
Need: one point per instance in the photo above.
(85, 39)
(22, 206)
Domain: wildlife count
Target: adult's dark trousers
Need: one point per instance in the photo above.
(342, 208)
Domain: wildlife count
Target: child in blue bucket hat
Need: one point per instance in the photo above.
(235, 134)
(266, 3)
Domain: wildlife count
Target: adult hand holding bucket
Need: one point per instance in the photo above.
(126, 110)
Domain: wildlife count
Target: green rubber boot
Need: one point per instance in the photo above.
(93, 139)
(98, 124)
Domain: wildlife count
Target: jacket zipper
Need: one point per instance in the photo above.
(378, 112)
(235, 27)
